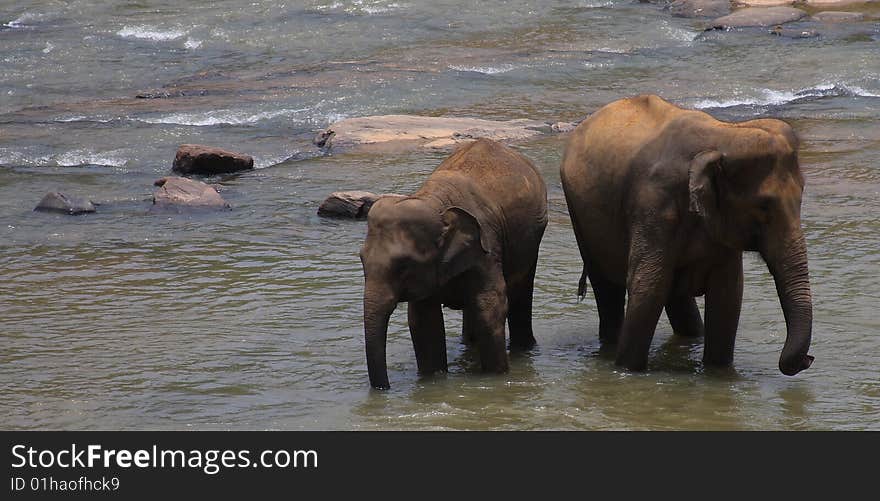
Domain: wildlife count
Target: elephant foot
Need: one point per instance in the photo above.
(632, 362)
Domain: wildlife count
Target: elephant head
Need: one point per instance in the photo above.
(412, 248)
(748, 194)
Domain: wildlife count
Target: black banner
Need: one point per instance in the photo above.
(237, 465)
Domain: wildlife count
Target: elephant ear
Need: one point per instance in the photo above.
(703, 184)
(461, 243)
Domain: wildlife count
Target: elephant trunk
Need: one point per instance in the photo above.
(379, 303)
(790, 271)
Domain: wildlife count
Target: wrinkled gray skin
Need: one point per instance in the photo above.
(468, 239)
(663, 202)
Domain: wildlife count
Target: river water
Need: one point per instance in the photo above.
(251, 318)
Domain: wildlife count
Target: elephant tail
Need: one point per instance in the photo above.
(582, 285)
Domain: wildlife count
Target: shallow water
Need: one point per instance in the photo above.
(251, 318)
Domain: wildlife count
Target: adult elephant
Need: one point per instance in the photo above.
(468, 239)
(663, 202)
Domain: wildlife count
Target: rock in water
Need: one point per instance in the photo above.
(759, 16)
(406, 131)
(349, 204)
(830, 16)
(207, 161)
(55, 201)
(183, 192)
(699, 8)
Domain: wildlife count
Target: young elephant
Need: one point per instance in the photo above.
(663, 202)
(468, 239)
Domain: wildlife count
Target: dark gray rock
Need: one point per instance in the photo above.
(699, 8)
(182, 192)
(55, 201)
(207, 160)
(349, 204)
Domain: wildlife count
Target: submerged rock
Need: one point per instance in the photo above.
(791, 33)
(759, 16)
(349, 204)
(182, 192)
(396, 131)
(168, 93)
(699, 8)
(830, 16)
(55, 201)
(207, 160)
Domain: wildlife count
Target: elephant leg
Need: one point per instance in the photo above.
(684, 316)
(469, 326)
(490, 313)
(723, 303)
(428, 336)
(519, 316)
(610, 301)
(648, 284)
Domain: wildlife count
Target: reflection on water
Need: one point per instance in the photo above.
(251, 318)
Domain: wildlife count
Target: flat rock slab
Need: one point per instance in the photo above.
(207, 161)
(835, 2)
(349, 204)
(178, 192)
(759, 16)
(418, 131)
(55, 201)
(830, 16)
(699, 8)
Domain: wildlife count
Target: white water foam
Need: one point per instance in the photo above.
(486, 70)
(24, 20)
(334, 5)
(78, 158)
(192, 43)
(858, 91)
(83, 118)
(219, 117)
(679, 34)
(332, 118)
(150, 33)
(73, 158)
(597, 4)
(359, 7)
(771, 97)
